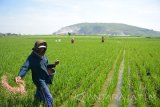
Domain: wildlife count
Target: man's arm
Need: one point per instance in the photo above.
(53, 65)
(23, 71)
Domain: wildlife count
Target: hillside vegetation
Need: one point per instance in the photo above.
(114, 29)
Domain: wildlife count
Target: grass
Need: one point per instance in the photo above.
(84, 67)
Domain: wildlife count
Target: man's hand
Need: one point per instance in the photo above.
(19, 80)
(51, 71)
(56, 62)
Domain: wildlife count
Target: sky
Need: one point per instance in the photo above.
(48, 16)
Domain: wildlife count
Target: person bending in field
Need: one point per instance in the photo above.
(42, 72)
(102, 39)
(72, 40)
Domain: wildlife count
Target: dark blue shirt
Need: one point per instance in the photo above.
(38, 65)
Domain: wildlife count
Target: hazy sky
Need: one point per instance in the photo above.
(48, 16)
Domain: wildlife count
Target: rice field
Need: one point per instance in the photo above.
(119, 72)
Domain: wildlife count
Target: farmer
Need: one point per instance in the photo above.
(72, 40)
(102, 39)
(42, 72)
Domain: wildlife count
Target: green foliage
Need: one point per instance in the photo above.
(84, 68)
(114, 29)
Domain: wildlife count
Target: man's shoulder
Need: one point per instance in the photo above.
(31, 56)
(35, 56)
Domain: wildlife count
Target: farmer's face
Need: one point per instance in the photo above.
(42, 51)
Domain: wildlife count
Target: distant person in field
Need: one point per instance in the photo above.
(72, 40)
(102, 39)
(42, 72)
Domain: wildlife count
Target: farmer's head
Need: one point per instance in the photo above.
(40, 47)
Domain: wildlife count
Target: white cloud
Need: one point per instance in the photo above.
(47, 16)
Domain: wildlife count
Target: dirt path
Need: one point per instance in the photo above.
(105, 85)
(116, 96)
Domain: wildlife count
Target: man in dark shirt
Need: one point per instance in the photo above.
(42, 72)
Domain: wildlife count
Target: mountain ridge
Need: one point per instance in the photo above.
(114, 29)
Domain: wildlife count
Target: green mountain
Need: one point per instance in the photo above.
(114, 29)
